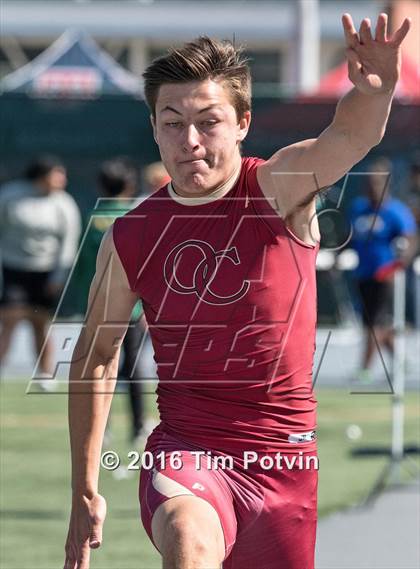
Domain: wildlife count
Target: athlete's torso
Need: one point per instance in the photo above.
(230, 299)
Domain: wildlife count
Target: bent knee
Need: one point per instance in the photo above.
(188, 525)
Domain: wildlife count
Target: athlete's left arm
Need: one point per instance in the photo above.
(294, 174)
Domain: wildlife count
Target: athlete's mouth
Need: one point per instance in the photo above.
(195, 161)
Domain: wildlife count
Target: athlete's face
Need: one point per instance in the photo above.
(198, 135)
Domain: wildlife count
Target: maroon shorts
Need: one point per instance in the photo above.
(268, 514)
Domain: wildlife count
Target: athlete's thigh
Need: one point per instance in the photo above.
(283, 535)
(160, 486)
(192, 516)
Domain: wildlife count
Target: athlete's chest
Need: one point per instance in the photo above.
(214, 268)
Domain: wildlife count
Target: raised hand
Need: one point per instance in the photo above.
(374, 63)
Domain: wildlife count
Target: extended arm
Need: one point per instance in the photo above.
(296, 173)
(92, 381)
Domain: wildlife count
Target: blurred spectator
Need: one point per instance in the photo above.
(39, 235)
(117, 186)
(378, 221)
(155, 176)
(413, 280)
(413, 197)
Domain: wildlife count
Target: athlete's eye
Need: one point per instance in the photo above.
(210, 122)
(173, 124)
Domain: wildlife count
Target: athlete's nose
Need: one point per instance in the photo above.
(192, 139)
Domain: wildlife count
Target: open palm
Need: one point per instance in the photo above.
(374, 63)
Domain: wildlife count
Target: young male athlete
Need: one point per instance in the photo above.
(223, 259)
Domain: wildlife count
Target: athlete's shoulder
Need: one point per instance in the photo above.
(132, 230)
(248, 175)
(250, 163)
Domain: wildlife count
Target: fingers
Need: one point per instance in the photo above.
(85, 530)
(78, 560)
(381, 28)
(95, 537)
(352, 57)
(352, 38)
(400, 34)
(71, 556)
(84, 559)
(70, 562)
(97, 512)
(355, 67)
(365, 32)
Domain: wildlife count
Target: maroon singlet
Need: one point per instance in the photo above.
(229, 294)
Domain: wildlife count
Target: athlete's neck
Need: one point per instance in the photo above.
(215, 194)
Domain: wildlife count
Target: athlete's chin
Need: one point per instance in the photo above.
(196, 182)
(195, 167)
(196, 186)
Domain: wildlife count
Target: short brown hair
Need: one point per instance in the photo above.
(201, 59)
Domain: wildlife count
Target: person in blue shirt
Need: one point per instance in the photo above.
(380, 223)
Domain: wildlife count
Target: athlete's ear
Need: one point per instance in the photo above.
(153, 121)
(243, 125)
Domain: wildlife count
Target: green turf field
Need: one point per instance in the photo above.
(35, 464)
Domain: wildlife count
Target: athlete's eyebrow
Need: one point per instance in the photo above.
(213, 106)
(169, 108)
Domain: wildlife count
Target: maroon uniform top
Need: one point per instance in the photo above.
(229, 294)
